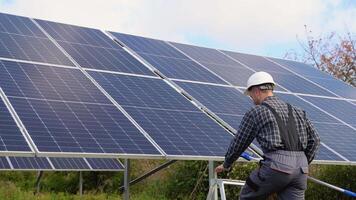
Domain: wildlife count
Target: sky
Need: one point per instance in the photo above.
(260, 27)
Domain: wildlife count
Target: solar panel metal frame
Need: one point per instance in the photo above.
(60, 169)
(21, 127)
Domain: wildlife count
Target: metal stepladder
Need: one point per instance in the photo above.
(219, 183)
(215, 184)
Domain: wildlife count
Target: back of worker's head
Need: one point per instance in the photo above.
(259, 86)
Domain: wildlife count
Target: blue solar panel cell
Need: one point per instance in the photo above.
(258, 63)
(11, 138)
(45, 82)
(91, 48)
(339, 137)
(302, 68)
(103, 163)
(19, 25)
(312, 112)
(339, 108)
(30, 163)
(149, 46)
(77, 34)
(336, 86)
(297, 84)
(69, 163)
(205, 55)
(226, 100)
(167, 60)
(142, 92)
(172, 121)
(181, 69)
(4, 164)
(31, 49)
(183, 133)
(236, 75)
(77, 127)
(324, 154)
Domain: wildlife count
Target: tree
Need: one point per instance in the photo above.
(334, 54)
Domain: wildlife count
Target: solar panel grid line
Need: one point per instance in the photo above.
(197, 62)
(244, 65)
(147, 136)
(314, 95)
(303, 77)
(121, 73)
(9, 162)
(86, 161)
(204, 83)
(37, 63)
(20, 125)
(136, 55)
(164, 59)
(334, 151)
(50, 163)
(331, 115)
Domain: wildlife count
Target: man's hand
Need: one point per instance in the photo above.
(219, 169)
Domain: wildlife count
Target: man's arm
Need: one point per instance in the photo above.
(313, 140)
(242, 139)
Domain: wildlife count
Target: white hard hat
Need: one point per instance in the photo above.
(258, 78)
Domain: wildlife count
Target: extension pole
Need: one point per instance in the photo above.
(346, 192)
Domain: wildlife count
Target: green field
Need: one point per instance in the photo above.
(182, 180)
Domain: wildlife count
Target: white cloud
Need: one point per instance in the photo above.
(249, 25)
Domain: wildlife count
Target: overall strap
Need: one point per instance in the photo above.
(287, 131)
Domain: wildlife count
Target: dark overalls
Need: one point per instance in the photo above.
(282, 171)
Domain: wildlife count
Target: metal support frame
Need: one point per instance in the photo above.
(38, 182)
(212, 178)
(81, 183)
(127, 180)
(219, 183)
(147, 174)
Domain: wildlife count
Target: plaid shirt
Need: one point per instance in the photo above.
(261, 124)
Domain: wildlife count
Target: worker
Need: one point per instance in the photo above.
(287, 138)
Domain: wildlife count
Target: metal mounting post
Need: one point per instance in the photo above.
(127, 180)
(212, 178)
(81, 183)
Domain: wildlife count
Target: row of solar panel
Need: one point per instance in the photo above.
(60, 164)
(63, 111)
(21, 39)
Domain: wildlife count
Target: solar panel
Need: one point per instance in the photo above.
(91, 48)
(340, 137)
(60, 164)
(105, 164)
(228, 69)
(175, 124)
(30, 163)
(282, 76)
(339, 108)
(11, 138)
(166, 59)
(226, 102)
(4, 164)
(21, 39)
(64, 112)
(69, 163)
